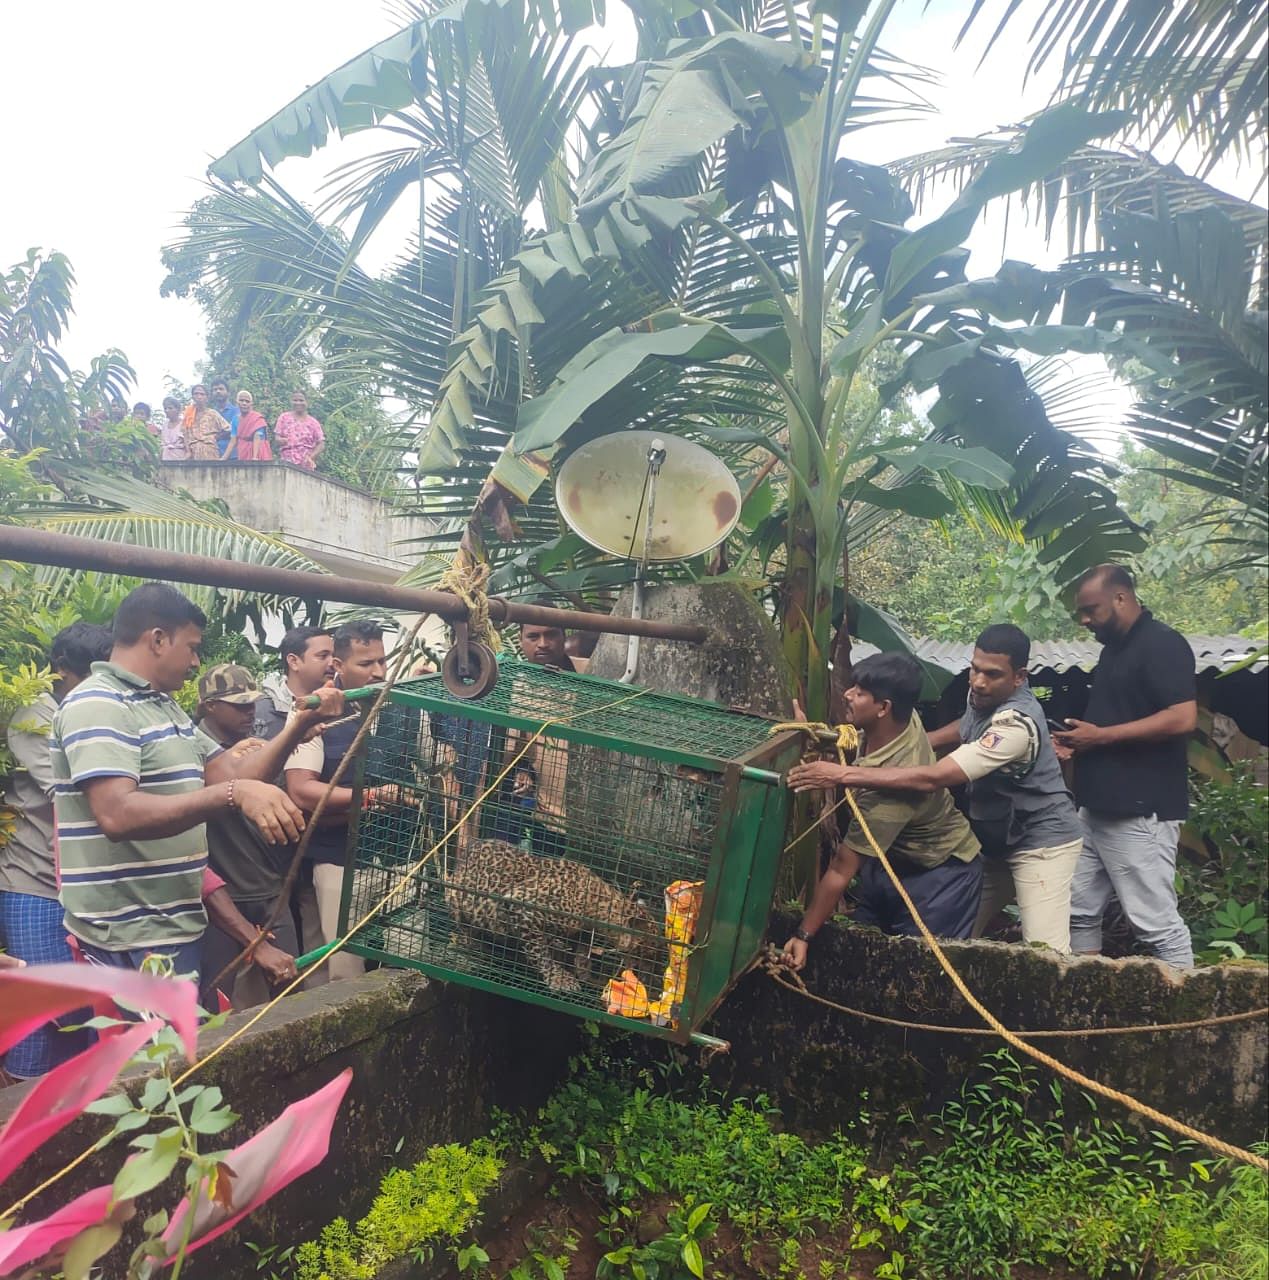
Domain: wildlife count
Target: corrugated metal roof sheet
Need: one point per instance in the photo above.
(1211, 653)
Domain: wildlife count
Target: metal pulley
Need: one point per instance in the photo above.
(470, 668)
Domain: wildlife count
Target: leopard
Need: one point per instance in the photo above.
(548, 905)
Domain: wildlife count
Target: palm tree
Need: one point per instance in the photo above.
(96, 483)
(1166, 276)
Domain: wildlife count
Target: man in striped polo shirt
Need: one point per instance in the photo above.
(135, 783)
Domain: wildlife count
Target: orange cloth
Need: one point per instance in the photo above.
(627, 996)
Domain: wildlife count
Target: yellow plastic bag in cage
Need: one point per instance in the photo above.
(628, 996)
(682, 908)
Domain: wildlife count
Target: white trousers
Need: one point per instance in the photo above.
(1039, 880)
(319, 923)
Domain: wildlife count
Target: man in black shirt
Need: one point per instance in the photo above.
(1130, 769)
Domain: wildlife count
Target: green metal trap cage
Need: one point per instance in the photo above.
(557, 882)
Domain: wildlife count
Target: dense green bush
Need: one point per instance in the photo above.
(435, 1202)
(1223, 899)
(1009, 1173)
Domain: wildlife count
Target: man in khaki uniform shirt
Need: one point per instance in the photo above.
(926, 839)
(1019, 806)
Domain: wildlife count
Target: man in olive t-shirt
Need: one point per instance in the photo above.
(926, 838)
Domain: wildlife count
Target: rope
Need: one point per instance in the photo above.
(339, 944)
(468, 579)
(847, 741)
(775, 968)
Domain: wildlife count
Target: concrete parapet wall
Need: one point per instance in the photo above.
(818, 1064)
(349, 531)
(430, 1064)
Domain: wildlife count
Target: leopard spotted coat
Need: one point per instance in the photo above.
(561, 913)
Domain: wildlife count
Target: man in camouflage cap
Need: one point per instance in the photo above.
(227, 697)
(252, 870)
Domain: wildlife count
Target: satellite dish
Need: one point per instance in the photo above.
(620, 496)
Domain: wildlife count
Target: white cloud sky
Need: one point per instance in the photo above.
(116, 106)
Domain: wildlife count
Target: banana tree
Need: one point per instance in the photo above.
(734, 138)
(722, 268)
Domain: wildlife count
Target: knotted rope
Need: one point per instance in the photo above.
(468, 579)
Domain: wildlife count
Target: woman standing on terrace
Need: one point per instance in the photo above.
(202, 426)
(253, 432)
(171, 433)
(300, 436)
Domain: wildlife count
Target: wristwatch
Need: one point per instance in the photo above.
(801, 934)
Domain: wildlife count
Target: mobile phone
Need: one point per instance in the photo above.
(1057, 726)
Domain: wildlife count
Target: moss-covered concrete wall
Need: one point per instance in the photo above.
(819, 1064)
(430, 1063)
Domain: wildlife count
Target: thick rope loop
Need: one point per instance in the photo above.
(468, 579)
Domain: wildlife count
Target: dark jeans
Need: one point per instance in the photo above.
(219, 948)
(185, 958)
(946, 898)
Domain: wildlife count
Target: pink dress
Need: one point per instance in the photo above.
(297, 438)
(172, 439)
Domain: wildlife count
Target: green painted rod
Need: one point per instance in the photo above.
(312, 957)
(769, 776)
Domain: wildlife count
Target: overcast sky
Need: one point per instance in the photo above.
(112, 110)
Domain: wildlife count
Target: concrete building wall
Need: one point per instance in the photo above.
(347, 530)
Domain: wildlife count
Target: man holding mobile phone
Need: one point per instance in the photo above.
(1130, 768)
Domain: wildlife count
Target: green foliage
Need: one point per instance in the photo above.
(1010, 1173)
(635, 1143)
(949, 580)
(718, 1162)
(1013, 1174)
(1225, 899)
(19, 484)
(550, 1253)
(41, 397)
(675, 1255)
(436, 1201)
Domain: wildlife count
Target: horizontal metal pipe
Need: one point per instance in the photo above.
(42, 546)
(766, 776)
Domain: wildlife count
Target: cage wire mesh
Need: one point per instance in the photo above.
(560, 882)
